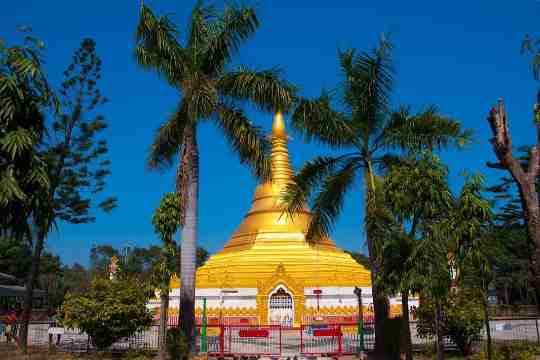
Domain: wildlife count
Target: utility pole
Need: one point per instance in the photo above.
(358, 293)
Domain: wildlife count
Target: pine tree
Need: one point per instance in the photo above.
(74, 156)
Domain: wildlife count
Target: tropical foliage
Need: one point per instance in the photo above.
(197, 65)
(463, 319)
(370, 135)
(24, 97)
(166, 221)
(110, 310)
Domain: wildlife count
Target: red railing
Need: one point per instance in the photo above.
(317, 339)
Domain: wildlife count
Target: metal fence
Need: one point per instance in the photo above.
(72, 340)
(275, 340)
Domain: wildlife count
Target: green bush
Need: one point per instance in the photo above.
(138, 355)
(511, 351)
(176, 344)
(463, 319)
(109, 311)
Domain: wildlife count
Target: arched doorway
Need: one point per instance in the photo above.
(281, 308)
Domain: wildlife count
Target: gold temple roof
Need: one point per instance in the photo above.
(268, 238)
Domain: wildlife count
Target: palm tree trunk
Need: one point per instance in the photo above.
(380, 303)
(190, 191)
(29, 291)
(163, 323)
(406, 330)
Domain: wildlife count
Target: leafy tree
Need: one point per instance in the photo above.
(54, 278)
(510, 253)
(425, 231)
(166, 221)
(360, 258)
(511, 246)
(136, 262)
(463, 318)
(109, 311)
(24, 97)
(76, 279)
(197, 65)
(74, 156)
(202, 256)
(370, 134)
(15, 257)
(414, 192)
(50, 279)
(531, 47)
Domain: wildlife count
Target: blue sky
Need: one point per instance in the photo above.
(459, 55)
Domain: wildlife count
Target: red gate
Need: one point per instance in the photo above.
(316, 339)
(244, 340)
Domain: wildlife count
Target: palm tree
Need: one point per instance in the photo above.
(371, 135)
(197, 67)
(166, 221)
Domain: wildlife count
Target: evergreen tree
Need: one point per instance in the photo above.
(74, 154)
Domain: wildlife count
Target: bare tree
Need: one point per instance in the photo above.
(525, 177)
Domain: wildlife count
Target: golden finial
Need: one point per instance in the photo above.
(278, 126)
(281, 169)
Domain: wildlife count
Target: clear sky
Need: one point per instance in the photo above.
(459, 55)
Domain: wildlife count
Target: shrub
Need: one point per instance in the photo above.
(176, 344)
(463, 319)
(109, 311)
(513, 351)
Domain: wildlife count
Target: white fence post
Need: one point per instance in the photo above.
(537, 331)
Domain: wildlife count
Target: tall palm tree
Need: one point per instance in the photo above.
(209, 91)
(371, 135)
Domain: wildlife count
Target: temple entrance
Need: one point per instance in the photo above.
(281, 308)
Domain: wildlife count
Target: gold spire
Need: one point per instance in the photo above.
(278, 126)
(268, 238)
(267, 214)
(281, 168)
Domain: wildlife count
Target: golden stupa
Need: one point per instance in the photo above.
(269, 250)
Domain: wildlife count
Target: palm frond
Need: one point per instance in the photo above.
(367, 86)
(247, 140)
(199, 30)
(304, 184)
(264, 88)
(227, 33)
(157, 46)
(329, 200)
(168, 141)
(202, 98)
(321, 179)
(426, 130)
(316, 120)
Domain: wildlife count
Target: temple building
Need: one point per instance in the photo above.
(268, 273)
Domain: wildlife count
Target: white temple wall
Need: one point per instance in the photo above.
(218, 298)
(335, 296)
(331, 296)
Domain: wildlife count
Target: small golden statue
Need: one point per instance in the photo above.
(113, 268)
